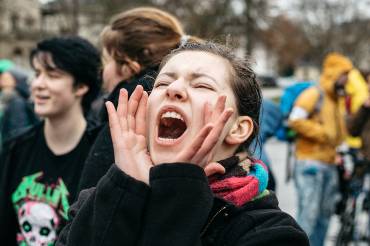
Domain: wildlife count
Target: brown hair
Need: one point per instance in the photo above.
(243, 81)
(144, 35)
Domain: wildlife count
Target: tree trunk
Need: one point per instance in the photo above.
(75, 14)
(248, 27)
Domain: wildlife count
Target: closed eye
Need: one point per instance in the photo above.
(203, 86)
(161, 84)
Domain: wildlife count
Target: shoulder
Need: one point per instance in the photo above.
(24, 138)
(101, 137)
(263, 223)
(271, 227)
(17, 146)
(16, 102)
(269, 219)
(265, 209)
(308, 102)
(308, 98)
(93, 131)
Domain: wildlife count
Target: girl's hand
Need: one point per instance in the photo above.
(128, 128)
(216, 168)
(201, 150)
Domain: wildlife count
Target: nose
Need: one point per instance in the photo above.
(177, 90)
(38, 82)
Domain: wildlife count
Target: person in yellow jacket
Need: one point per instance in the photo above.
(318, 119)
(356, 94)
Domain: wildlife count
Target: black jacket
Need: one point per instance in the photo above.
(101, 155)
(178, 208)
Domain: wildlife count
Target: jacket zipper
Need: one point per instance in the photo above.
(211, 220)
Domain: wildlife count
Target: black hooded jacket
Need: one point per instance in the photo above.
(101, 154)
(178, 208)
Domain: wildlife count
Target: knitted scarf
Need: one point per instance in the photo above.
(243, 181)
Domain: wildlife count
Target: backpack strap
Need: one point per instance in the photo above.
(319, 101)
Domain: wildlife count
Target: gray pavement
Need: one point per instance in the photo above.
(286, 193)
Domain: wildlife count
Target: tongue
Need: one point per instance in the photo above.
(171, 128)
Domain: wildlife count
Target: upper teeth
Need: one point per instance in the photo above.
(172, 114)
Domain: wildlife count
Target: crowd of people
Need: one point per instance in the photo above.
(156, 140)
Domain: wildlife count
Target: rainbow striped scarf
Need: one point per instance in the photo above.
(243, 181)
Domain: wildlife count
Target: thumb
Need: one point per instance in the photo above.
(213, 168)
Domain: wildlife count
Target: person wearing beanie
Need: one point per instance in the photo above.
(5, 65)
(17, 113)
(318, 119)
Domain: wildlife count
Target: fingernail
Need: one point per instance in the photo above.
(122, 91)
(209, 126)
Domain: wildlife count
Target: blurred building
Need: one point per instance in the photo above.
(24, 22)
(20, 27)
(266, 62)
(306, 72)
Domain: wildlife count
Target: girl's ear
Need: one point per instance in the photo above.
(81, 90)
(240, 130)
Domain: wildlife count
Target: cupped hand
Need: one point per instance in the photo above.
(128, 131)
(201, 150)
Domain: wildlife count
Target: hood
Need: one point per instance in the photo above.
(5, 65)
(333, 66)
(21, 79)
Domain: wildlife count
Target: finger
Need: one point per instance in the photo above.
(122, 109)
(114, 125)
(207, 113)
(189, 152)
(219, 107)
(214, 168)
(213, 137)
(242, 155)
(133, 104)
(141, 115)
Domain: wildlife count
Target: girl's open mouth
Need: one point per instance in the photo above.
(171, 126)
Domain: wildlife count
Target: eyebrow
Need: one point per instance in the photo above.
(193, 76)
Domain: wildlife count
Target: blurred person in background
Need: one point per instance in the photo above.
(270, 121)
(359, 126)
(356, 94)
(133, 46)
(319, 132)
(41, 168)
(17, 112)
